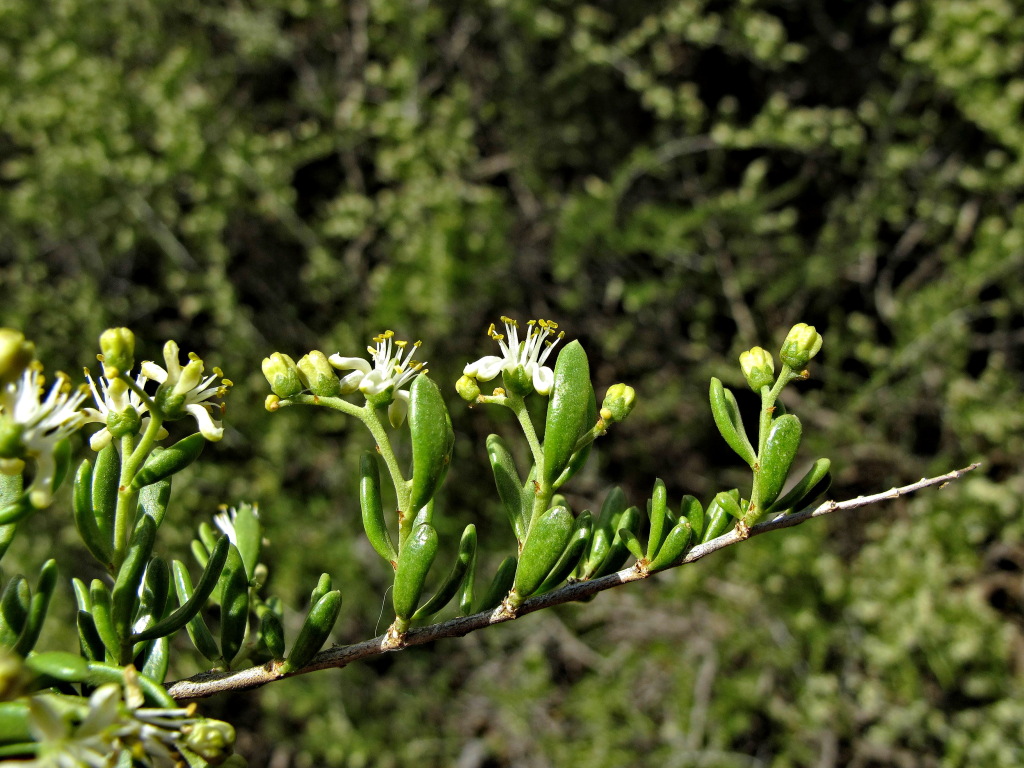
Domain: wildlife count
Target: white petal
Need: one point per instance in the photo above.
(100, 440)
(398, 408)
(350, 383)
(486, 368)
(349, 363)
(543, 379)
(375, 382)
(153, 371)
(209, 429)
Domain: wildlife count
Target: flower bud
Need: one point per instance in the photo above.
(318, 375)
(618, 402)
(15, 354)
(802, 343)
(468, 389)
(758, 367)
(118, 347)
(283, 375)
(212, 740)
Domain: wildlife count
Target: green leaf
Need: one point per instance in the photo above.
(729, 422)
(414, 561)
(671, 552)
(500, 584)
(191, 600)
(315, 631)
(510, 487)
(14, 606)
(718, 516)
(579, 458)
(248, 536)
(99, 597)
(153, 500)
(658, 513)
(59, 665)
(323, 586)
(579, 542)
(779, 451)
(272, 634)
(693, 510)
(38, 606)
(234, 605)
(548, 537)
(161, 464)
(452, 582)
(619, 552)
(158, 659)
(89, 638)
(106, 476)
(85, 518)
(430, 429)
(810, 486)
(567, 410)
(372, 509)
(125, 595)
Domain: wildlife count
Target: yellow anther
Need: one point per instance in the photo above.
(194, 357)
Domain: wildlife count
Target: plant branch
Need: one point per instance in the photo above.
(210, 683)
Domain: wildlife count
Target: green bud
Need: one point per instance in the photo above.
(518, 380)
(618, 402)
(212, 740)
(127, 422)
(283, 375)
(468, 389)
(318, 375)
(11, 445)
(15, 354)
(118, 347)
(802, 343)
(758, 368)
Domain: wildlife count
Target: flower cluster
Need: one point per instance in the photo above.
(116, 722)
(31, 426)
(394, 365)
(521, 362)
(184, 390)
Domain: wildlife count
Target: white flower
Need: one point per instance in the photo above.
(389, 372)
(225, 520)
(528, 354)
(185, 390)
(31, 427)
(114, 397)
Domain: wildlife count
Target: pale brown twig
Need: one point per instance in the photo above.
(210, 683)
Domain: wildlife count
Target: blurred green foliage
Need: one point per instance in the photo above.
(673, 182)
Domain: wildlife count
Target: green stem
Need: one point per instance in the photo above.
(542, 491)
(150, 405)
(132, 458)
(769, 396)
(368, 415)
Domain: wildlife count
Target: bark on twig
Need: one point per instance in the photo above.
(210, 683)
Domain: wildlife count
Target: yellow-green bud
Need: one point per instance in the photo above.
(15, 354)
(758, 367)
(212, 740)
(318, 375)
(802, 343)
(468, 389)
(618, 402)
(118, 347)
(283, 375)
